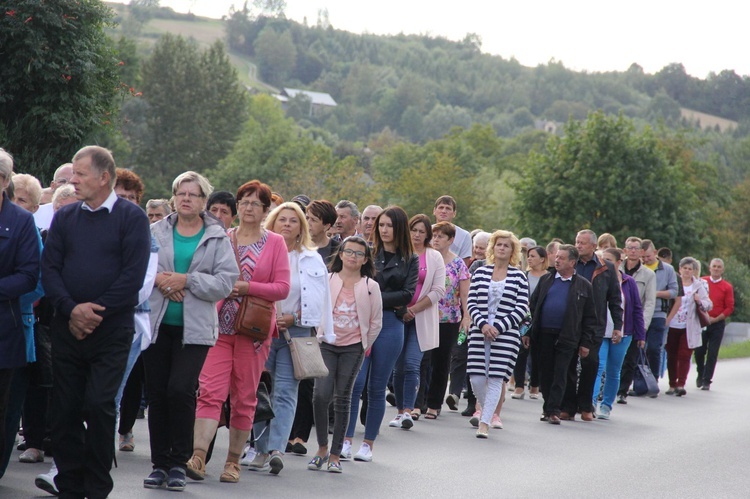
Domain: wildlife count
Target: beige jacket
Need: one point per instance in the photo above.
(369, 307)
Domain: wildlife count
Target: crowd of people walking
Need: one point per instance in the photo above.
(203, 307)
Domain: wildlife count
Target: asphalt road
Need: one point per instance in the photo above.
(696, 446)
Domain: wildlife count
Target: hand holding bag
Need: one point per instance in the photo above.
(255, 315)
(703, 316)
(644, 381)
(306, 357)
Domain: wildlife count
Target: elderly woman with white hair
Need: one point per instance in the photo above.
(197, 268)
(28, 191)
(63, 196)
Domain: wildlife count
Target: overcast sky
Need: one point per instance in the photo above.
(583, 34)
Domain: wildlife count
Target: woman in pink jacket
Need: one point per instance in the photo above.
(421, 321)
(234, 365)
(357, 319)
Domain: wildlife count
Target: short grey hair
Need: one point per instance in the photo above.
(64, 192)
(689, 260)
(481, 236)
(60, 169)
(527, 242)
(6, 164)
(348, 204)
(190, 176)
(591, 235)
(717, 260)
(159, 203)
(101, 160)
(31, 184)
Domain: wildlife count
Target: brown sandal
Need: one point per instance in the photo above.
(196, 468)
(231, 473)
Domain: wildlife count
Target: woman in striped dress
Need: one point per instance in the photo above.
(498, 301)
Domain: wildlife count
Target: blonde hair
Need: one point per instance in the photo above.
(607, 239)
(62, 193)
(304, 241)
(515, 256)
(31, 184)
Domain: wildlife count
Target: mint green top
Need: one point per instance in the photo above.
(184, 248)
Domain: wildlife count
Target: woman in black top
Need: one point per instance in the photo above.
(397, 272)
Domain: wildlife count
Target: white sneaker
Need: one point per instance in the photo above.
(364, 453)
(406, 421)
(396, 422)
(259, 462)
(346, 451)
(249, 455)
(46, 481)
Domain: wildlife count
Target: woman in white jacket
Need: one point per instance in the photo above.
(307, 306)
(684, 326)
(421, 321)
(357, 319)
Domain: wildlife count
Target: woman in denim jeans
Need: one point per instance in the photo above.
(615, 344)
(397, 267)
(308, 305)
(421, 322)
(357, 319)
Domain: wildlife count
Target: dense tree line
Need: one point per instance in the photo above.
(419, 86)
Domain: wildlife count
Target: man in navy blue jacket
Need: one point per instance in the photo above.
(93, 265)
(563, 327)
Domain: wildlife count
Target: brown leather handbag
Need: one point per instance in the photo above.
(255, 315)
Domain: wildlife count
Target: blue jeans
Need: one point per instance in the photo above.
(610, 361)
(406, 375)
(383, 354)
(655, 340)
(275, 433)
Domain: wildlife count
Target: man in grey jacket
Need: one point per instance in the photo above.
(666, 292)
(646, 281)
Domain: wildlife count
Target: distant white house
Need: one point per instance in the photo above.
(547, 126)
(320, 102)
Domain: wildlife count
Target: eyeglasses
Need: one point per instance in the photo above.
(193, 196)
(254, 204)
(632, 248)
(358, 254)
(61, 181)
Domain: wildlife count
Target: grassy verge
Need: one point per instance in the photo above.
(735, 350)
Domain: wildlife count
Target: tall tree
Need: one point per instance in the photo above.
(195, 110)
(276, 55)
(607, 176)
(58, 77)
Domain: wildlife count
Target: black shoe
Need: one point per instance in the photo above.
(699, 383)
(141, 414)
(289, 448)
(155, 480)
(622, 399)
(706, 387)
(468, 412)
(390, 397)
(680, 392)
(298, 449)
(176, 480)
